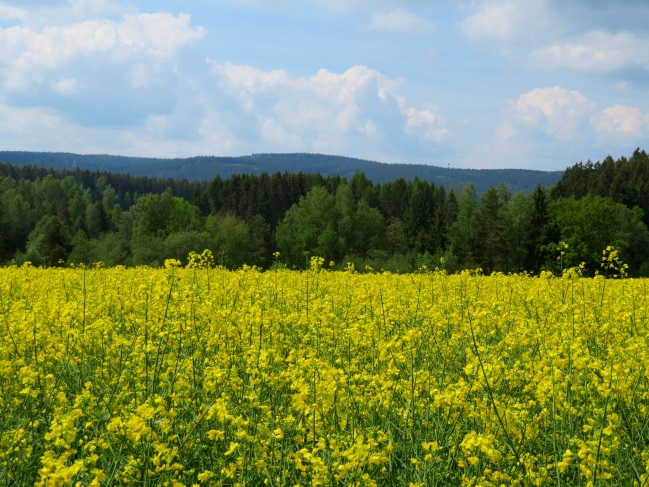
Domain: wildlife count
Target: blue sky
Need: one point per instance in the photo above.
(535, 84)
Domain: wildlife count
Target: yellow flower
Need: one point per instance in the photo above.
(232, 449)
(215, 434)
(430, 446)
(205, 475)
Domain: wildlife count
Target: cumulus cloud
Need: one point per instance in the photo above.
(601, 38)
(400, 20)
(536, 23)
(556, 111)
(338, 6)
(569, 116)
(330, 112)
(97, 67)
(620, 120)
(358, 112)
(554, 127)
(540, 129)
(29, 56)
(346, 5)
(90, 70)
(244, 82)
(7, 12)
(157, 34)
(595, 52)
(102, 76)
(510, 22)
(426, 124)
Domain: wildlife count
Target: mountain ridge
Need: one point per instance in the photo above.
(206, 168)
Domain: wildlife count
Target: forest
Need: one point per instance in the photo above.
(53, 217)
(206, 168)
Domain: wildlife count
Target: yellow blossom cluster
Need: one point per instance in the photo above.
(201, 376)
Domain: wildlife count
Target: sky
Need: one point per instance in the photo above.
(534, 84)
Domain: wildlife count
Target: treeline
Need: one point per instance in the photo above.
(205, 168)
(127, 187)
(624, 180)
(51, 218)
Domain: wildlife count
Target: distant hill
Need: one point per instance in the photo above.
(205, 168)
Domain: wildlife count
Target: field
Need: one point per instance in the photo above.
(203, 376)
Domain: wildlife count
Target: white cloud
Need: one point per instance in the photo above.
(103, 77)
(25, 123)
(37, 15)
(274, 132)
(551, 128)
(157, 34)
(400, 20)
(343, 6)
(101, 69)
(214, 135)
(358, 112)
(139, 76)
(620, 120)
(601, 38)
(425, 124)
(43, 129)
(331, 112)
(66, 86)
(94, 8)
(12, 13)
(595, 52)
(539, 130)
(28, 55)
(556, 111)
(510, 22)
(347, 5)
(370, 129)
(250, 78)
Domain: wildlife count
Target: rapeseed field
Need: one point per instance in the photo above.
(203, 376)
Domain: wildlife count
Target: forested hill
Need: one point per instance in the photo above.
(205, 168)
(72, 216)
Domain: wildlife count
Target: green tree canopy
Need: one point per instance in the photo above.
(49, 243)
(310, 228)
(589, 224)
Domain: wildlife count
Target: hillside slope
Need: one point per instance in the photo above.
(207, 167)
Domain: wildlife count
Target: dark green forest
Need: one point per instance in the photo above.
(206, 168)
(72, 216)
